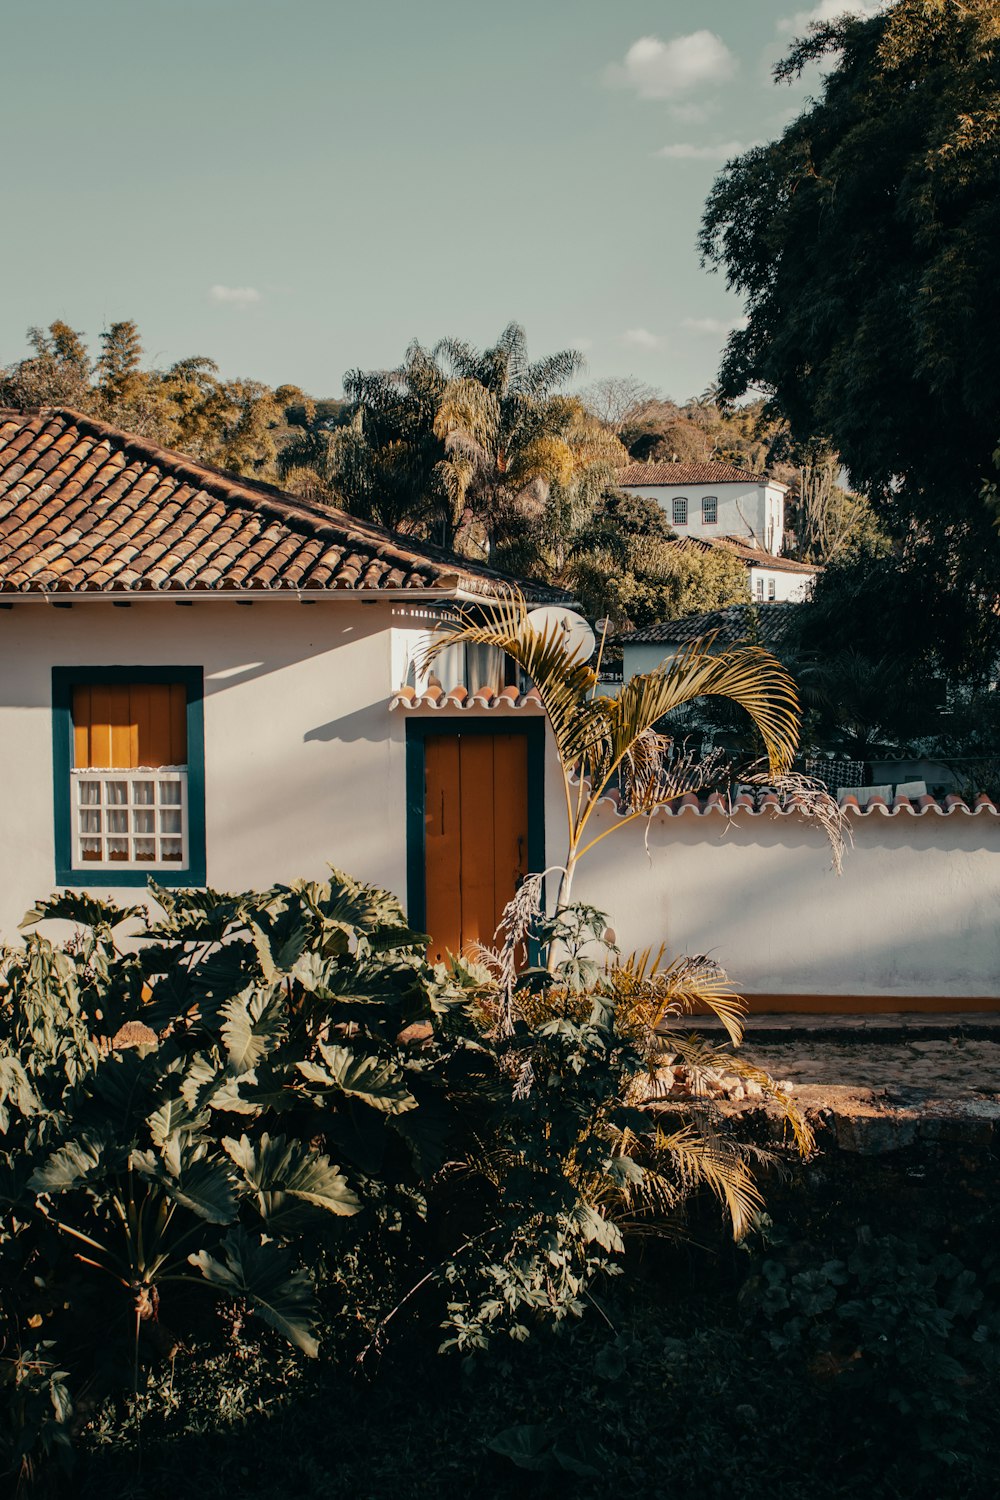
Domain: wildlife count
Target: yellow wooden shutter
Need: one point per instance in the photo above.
(124, 725)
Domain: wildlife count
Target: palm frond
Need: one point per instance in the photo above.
(652, 990)
(560, 678)
(699, 1055)
(746, 675)
(704, 1160)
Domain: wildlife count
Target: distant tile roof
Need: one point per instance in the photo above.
(87, 509)
(768, 623)
(745, 550)
(671, 473)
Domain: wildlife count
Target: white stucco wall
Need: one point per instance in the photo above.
(788, 587)
(913, 915)
(755, 511)
(304, 763)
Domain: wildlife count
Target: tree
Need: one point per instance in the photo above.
(475, 446)
(866, 244)
(826, 520)
(626, 564)
(616, 399)
(607, 744)
(57, 373)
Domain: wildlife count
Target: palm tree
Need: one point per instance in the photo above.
(517, 453)
(613, 745)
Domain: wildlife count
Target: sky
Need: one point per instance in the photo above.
(301, 188)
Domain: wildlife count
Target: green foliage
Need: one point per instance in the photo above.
(865, 243)
(476, 447)
(271, 1104)
(902, 1328)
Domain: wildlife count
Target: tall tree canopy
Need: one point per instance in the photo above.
(866, 244)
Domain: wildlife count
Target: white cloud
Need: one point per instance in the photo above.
(239, 296)
(829, 10)
(641, 338)
(724, 151)
(659, 70)
(718, 327)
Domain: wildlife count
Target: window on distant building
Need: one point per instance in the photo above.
(760, 589)
(770, 588)
(710, 510)
(129, 768)
(680, 511)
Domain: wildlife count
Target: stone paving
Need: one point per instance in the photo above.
(877, 1084)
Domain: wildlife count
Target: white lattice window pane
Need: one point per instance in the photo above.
(130, 819)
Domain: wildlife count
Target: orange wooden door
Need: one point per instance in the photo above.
(476, 834)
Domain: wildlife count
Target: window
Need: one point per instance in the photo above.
(770, 588)
(680, 511)
(129, 768)
(710, 510)
(760, 590)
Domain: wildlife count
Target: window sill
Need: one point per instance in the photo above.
(107, 877)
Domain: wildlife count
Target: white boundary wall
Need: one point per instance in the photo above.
(915, 912)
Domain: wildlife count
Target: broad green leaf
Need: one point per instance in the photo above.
(264, 1273)
(253, 1025)
(278, 952)
(285, 1173)
(16, 1088)
(81, 908)
(173, 1116)
(378, 1081)
(83, 1161)
(191, 1177)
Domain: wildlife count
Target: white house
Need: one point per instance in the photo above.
(770, 579)
(195, 683)
(645, 649)
(713, 500)
(207, 681)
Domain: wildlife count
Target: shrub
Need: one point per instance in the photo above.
(271, 1102)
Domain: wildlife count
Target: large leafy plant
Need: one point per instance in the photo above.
(213, 1109)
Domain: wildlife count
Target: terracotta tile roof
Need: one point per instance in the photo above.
(436, 699)
(747, 804)
(671, 473)
(734, 623)
(85, 508)
(745, 550)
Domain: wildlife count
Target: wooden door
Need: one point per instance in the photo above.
(475, 834)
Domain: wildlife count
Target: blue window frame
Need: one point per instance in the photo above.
(64, 680)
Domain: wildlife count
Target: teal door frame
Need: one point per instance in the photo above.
(418, 732)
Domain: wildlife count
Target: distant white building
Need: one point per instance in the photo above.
(721, 506)
(770, 580)
(713, 500)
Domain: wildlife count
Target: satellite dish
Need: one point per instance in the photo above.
(577, 634)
